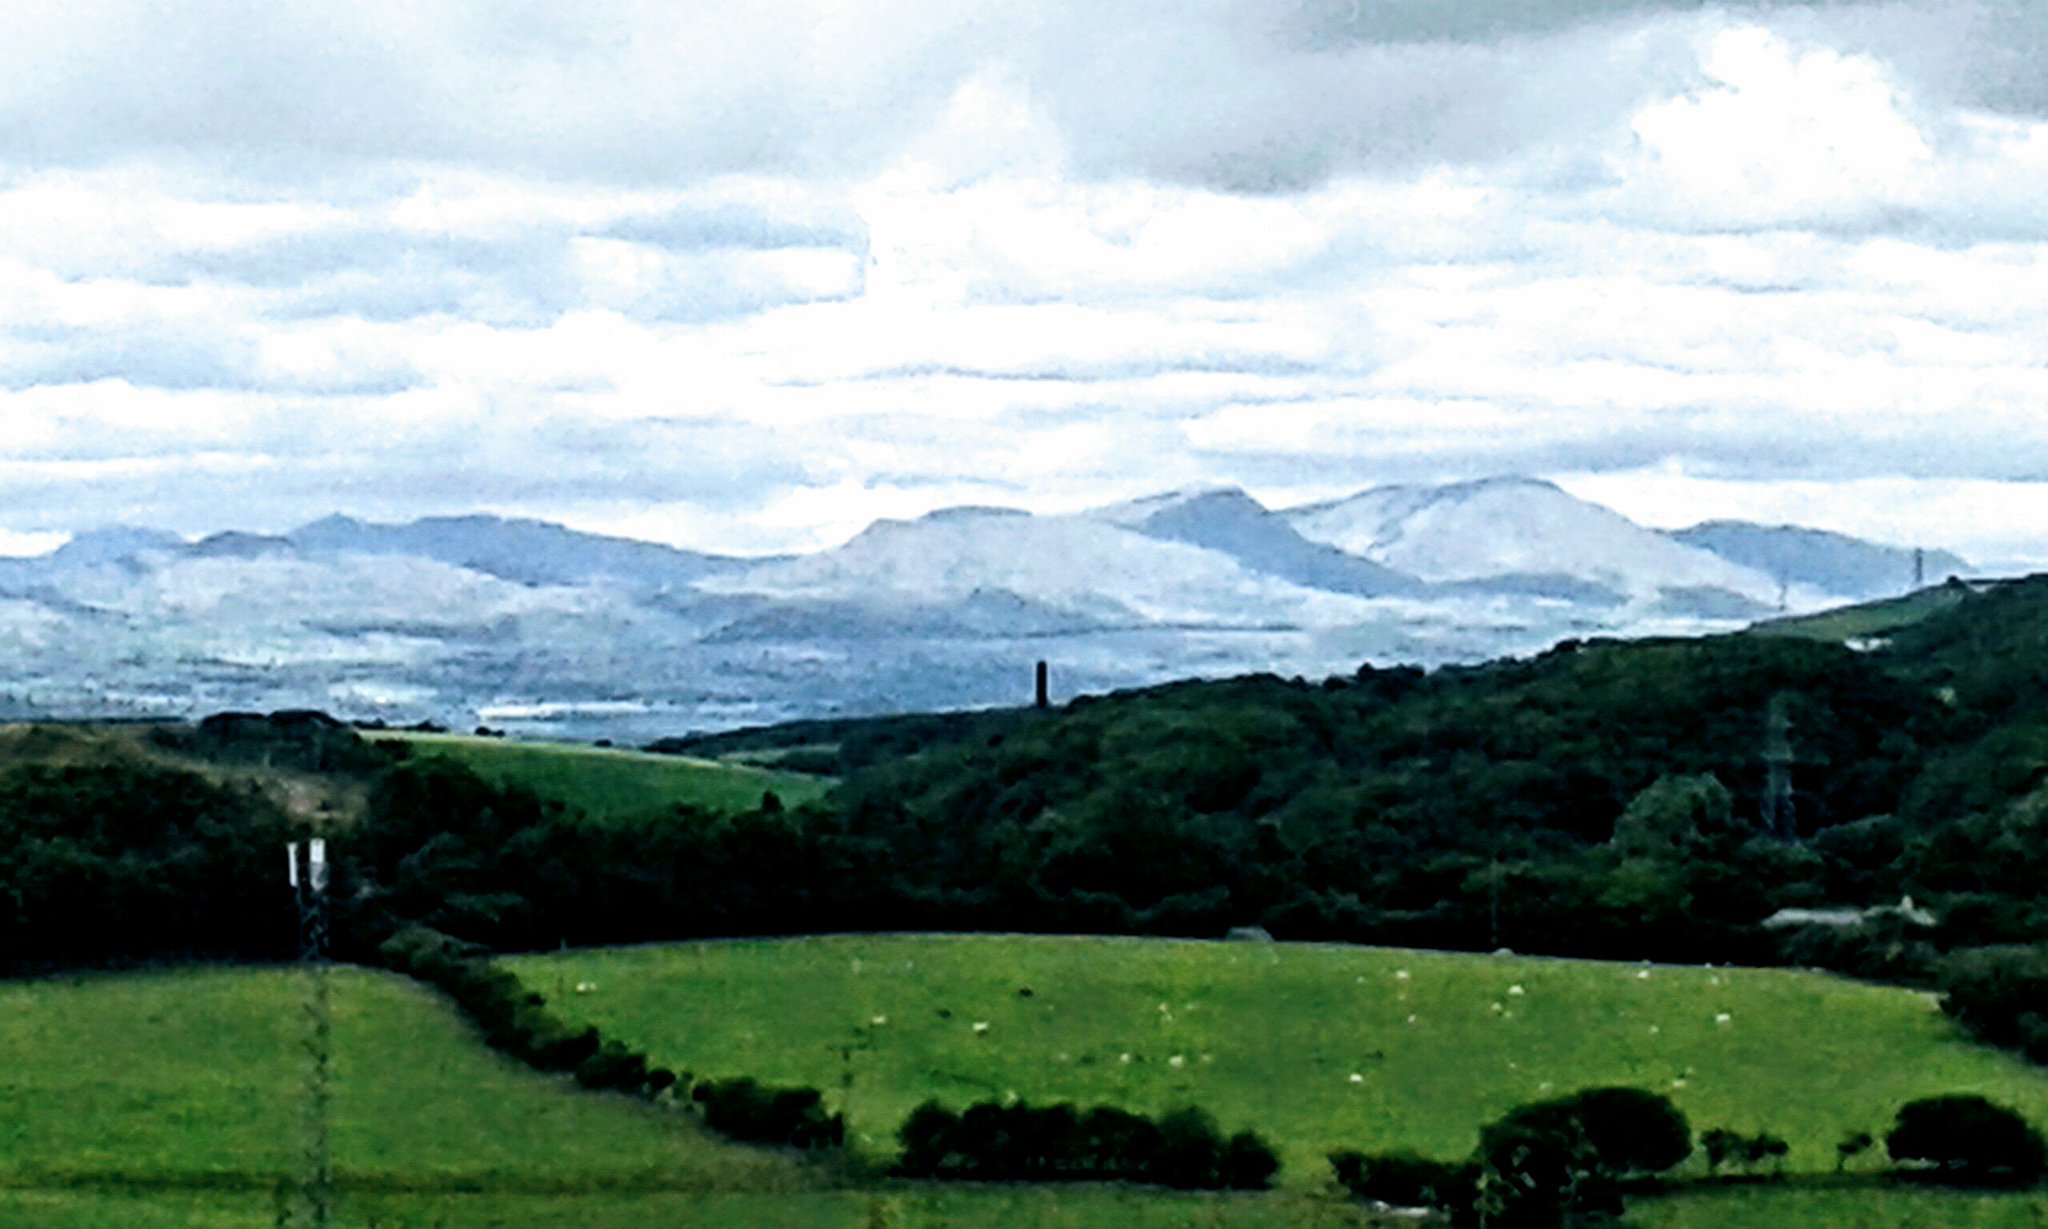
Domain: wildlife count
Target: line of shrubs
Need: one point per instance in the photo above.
(994, 1142)
(1570, 1160)
(516, 1020)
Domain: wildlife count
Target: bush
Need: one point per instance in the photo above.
(1969, 1141)
(992, 1142)
(1404, 1179)
(744, 1109)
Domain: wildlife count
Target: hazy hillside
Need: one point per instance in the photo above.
(547, 630)
(1830, 562)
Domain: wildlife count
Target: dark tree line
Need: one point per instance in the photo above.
(994, 1142)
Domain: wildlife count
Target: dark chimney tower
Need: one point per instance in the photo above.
(1044, 690)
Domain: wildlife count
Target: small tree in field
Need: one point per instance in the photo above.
(1853, 1145)
(1968, 1140)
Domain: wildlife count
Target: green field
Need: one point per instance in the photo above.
(1868, 619)
(898, 1208)
(1763, 1207)
(1316, 1047)
(614, 785)
(193, 1077)
(172, 1099)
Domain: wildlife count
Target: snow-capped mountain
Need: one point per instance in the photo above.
(1113, 575)
(1230, 522)
(548, 630)
(1531, 532)
(1829, 562)
(525, 551)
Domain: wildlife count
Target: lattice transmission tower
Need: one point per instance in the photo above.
(309, 878)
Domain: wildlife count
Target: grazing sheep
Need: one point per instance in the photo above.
(981, 1028)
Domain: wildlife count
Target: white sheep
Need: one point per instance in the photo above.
(981, 1028)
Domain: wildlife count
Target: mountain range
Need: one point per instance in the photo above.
(540, 628)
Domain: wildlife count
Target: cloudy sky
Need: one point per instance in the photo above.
(746, 274)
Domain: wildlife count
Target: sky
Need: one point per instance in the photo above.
(744, 276)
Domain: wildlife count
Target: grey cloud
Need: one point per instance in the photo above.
(179, 357)
(530, 469)
(1776, 442)
(524, 276)
(1055, 371)
(713, 227)
(167, 358)
(1231, 93)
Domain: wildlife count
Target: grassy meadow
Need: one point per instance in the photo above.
(613, 785)
(193, 1078)
(1315, 1047)
(1885, 1207)
(171, 1099)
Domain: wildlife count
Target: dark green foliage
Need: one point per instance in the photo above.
(294, 738)
(994, 1142)
(2000, 995)
(1632, 1131)
(1406, 1180)
(1852, 1145)
(1545, 1165)
(1969, 1141)
(785, 1117)
(125, 861)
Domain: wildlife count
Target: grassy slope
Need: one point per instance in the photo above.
(1270, 1037)
(169, 1077)
(1763, 1207)
(612, 784)
(903, 1208)
(1866, 619)
(171, 1099)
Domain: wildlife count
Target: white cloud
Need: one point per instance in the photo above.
(750, 275)
(1781, 135)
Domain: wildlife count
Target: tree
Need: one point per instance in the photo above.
(1634, 1131)
(1853, 1145)
(1968, 1140)
(1678, 818)
(1762, 1147)
(1721, 1146)
(1249, 1162)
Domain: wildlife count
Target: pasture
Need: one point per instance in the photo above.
(193, 1078)
(1823, 1207)
(1315, 1047)
(612, 785)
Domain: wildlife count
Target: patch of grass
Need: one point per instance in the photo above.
(1104, 1207)
(1869, 619)
(616, 786)
(1315, 1047)
(1765, 1207)
(193, 1078)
